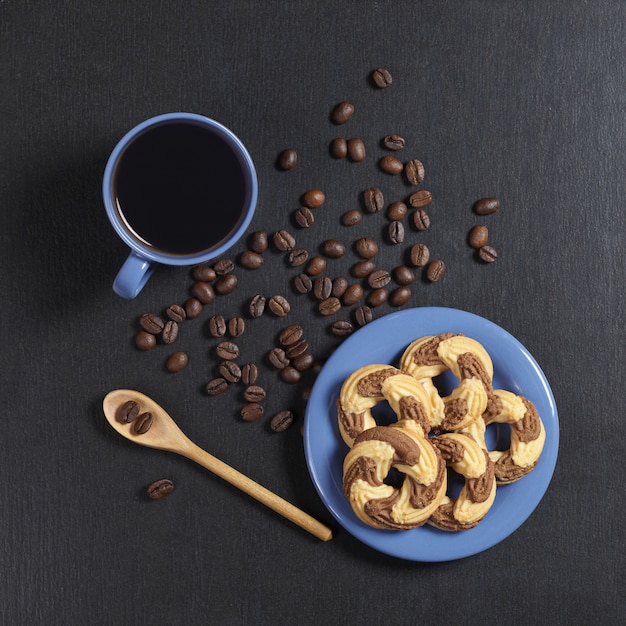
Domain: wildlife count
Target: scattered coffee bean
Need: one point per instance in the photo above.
(177, 362)
(313, 198)
(252, 412)
(339, 148)
(143, 423)
(414, 171)
(151, 323)
(287, 159)
(378, 278)
(176, 313)
(342, 113)
(303, 362)
(203, 292)
(279, 305)
(306, 393)
(298, 257)
(435, 270)
(281, 421)
(257, 306)
(330, 306)
(352, 295)
(290, 375)
(227, 350)
(297, 348)
(394, 142)
(395, 231)
(145, 340)
(356, 149)
(420, 198)
(362, 269)
(391, 165)
(377, 297)
(204, 273)
(322, 287)
(478, 236)
(258, 242)
(229, 371)
(366, 247)
(290, 335)
(363, 315)
(302, 283)
(254, 393)
(400, 296)
(217, 326)
(341, 328)
(226, 284)
(333, 248)
(396, 211)
(278, 358)
(250, 260)
(382, 78)
(284, 240)
(486, 206)
(193, 308)
(340, 284)
(403, 275)
(223, 267)
(170, 332)
(216, 386)
(160, 489)
(236, 326)
(421, 220)
(351, 218)
(249, 373)
(420, 255)
(303, 217)
(316, 266)
(487, 254)
(373, 200)
(127, 412)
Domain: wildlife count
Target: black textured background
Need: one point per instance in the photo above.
(521, 100)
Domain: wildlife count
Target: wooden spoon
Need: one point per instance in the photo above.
(164, 434)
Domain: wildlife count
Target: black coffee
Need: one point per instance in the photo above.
(180, 188)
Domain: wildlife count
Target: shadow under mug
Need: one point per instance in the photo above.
(179, 189)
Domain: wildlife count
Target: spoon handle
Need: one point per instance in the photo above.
(258, 492)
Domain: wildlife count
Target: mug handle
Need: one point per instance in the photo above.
(133, 276)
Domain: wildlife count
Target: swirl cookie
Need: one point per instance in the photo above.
(401, 446)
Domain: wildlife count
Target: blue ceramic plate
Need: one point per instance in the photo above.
(384, 341)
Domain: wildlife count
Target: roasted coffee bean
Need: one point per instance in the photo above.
(223, 267)
(290, 335)
(420, 198)
(204, 273)
(284, 240)
(169, 333)
(378, 278)
(193, 308)
(254, 393)
(396, 211)
(217, 326)
(257, 306)
(339, 148)
(333, 248)
(303, 362)
(176, 362)
(340, 284)
(373, 200)
(279, 305)
(151, 323)
(252, 412)
(298, 257)
(290, 375)
(322, 287)
(363, 315)
(356, 149)
(306, 393)
(143, 423)
(316, 266)
(249, 373)
(400, 296)
(258, 242)
(303, 217)
(377, 297)
(282, 421)
(341, 328)
(414, 171)
(204, 292)
(302, 283)
(362, 269)
(391, 165)
(229, 371)
(287, 159)
(352, 295)
(278, 358)
(486, 206)
(330, 306)
(351, 218)
(160, 489)
(478, 236)
(435, 270)
(297, 349)
(420, 255)
(127, 412)
(226, 284)
(227, 350)
(403, 275)
(395, 231)
(216, 386)
(236, 326)
(421, 220)
(145, 340)
(366, 247)
(381, 78)
(250, 260)
(394, 142)
(176, 313)
(313, 198)
(487, 254)
(342, 113)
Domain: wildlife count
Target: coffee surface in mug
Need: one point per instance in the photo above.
(180, 188)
